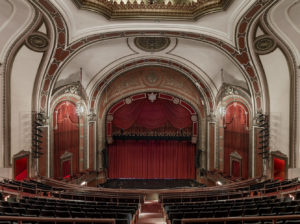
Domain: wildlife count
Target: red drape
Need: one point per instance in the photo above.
(236, 168)
(21, 168)
(149, 114)
(236, 136)
(279, 169)
(66, 135)
(148, 159)
(66, 168)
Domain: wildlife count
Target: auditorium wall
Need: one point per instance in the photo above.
(23, 76)
(278, 79)
(15, 17)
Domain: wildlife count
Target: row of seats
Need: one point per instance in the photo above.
(265, 206)
(38, 207)
(45, 201)
(238, 202)
(35, 187)
(270, 185)
(178, 221)
(221, 193)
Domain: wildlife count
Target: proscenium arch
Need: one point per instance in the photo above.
(204, 91)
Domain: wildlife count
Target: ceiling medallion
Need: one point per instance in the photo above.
(152, 44)
(264, 44)
(37, 41)
(153, 9)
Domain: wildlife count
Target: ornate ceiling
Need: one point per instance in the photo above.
(153, 9)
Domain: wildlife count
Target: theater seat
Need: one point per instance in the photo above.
(235, 212)
(221, 213)
(176, 221)
(252, 222)
(122, 221)
(292, 221)
(251, 212)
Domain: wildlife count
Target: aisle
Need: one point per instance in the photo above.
(151, 213)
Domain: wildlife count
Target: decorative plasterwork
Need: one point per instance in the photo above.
(239, 54)
(264, 44)
(153, 9)
(152, 44)
(37, 41)
(153, 78)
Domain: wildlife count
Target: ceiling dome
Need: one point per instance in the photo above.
(153, 9)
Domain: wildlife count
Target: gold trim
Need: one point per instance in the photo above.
(158, 10)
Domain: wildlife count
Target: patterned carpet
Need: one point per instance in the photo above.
(151, 213)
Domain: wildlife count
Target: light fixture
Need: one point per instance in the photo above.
(219, 183)
(83, 183)
(79, 108)
(222, 110)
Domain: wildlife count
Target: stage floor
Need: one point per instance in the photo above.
(150, 183)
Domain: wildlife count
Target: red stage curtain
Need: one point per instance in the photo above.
(236, 136)
(66, 135)
(149, 114)
(148, 159)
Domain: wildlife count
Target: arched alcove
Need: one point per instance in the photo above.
(66, 139)
(236, 140)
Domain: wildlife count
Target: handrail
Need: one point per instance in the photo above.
(252, 218)
(49, 219)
